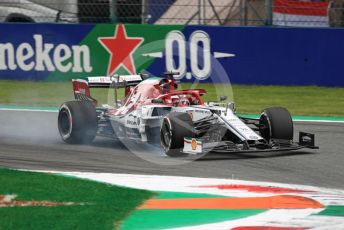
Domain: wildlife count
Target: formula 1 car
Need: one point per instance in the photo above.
(155, 111)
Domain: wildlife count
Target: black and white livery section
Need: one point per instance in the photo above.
(224, 131)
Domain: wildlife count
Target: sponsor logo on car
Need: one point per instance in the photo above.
(193, 144)
(131, 122)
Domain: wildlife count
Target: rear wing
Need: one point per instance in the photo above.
(118, 81)
(82, 87)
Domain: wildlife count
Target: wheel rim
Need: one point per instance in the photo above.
(166, 136)
(265, 130)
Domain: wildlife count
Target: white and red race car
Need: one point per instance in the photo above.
(155, 111)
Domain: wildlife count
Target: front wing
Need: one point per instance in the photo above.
(195, 146)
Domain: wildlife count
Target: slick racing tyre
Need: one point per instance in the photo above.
(276, 123)
(175, 127)
(77, 122)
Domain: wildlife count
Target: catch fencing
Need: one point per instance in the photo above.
(295, 13)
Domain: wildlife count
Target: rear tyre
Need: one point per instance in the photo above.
(276, 123)
(175, 127)
(77, 122)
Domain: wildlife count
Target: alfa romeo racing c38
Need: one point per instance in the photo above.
(155, 111)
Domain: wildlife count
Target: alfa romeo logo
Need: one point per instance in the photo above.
(193, 144)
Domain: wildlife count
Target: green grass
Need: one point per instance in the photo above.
(308, 100)
(311, 100)
(104, 205)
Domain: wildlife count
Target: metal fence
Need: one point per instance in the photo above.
(206, 12)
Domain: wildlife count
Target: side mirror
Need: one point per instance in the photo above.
(223, 98)
(114, 77)
(170, 74)
(119, 102)
(231, 106)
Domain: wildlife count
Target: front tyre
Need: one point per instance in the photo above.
(175, 127)
(276, 124)
(77, 122)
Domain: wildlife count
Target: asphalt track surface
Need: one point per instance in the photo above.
(30, 140)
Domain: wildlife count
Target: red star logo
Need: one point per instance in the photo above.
(121, 49)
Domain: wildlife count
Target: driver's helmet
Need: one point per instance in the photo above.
(184, 102)
(165, 86)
